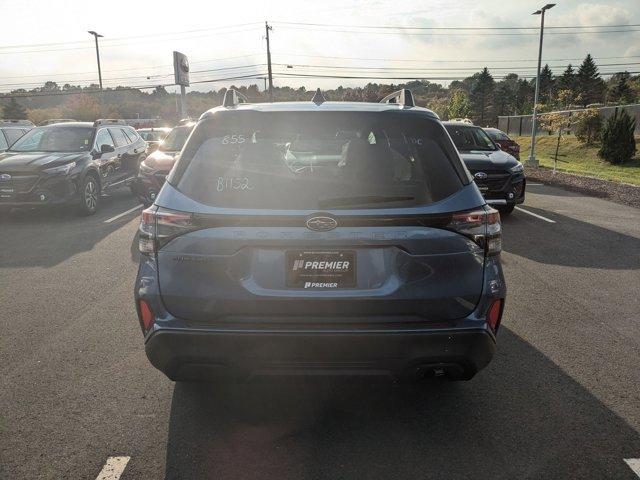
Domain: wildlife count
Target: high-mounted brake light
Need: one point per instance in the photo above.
(158, 226)
(482, 225)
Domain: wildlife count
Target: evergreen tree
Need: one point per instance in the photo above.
(618, 141)
(589, 84)
(620, 90)
(567, 81)
(14, 110)
(546, 85)
(482, 94)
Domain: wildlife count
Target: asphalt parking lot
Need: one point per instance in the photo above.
(560, 400)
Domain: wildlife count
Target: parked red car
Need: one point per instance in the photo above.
(503, 140)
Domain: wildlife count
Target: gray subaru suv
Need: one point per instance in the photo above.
(319, 238)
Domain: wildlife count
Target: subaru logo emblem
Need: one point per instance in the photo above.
(321, 224)
(481, 176)
(5, 176)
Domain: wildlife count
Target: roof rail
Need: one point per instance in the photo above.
(51, 121)
(401, 97)
(232, 98)
(318, 98)
(9, 122)
(109, 121)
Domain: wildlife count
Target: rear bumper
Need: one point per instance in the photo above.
(415, 352)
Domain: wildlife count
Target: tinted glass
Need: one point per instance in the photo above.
(317, 160)
(55, 139)
(496, 135)
(3, 142)
(119, 137)
(470, 138)
(103, 138)
(176, 138)
(13, 134)
(131, 134)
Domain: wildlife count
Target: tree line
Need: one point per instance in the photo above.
(479, 97)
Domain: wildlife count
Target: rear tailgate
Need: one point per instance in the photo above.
(228, 273)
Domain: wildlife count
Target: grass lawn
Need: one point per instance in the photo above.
(573, 157)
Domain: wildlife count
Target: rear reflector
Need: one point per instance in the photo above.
(494, 314)
(146, 315)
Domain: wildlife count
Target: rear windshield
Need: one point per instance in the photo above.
(176, 138)
(55, 139)
(317, 160)
(497, 135)
(469, 138)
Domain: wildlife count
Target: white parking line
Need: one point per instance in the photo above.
(634, 464)
(535, 215)
(120, 215)
(113, 468)
(529, 184)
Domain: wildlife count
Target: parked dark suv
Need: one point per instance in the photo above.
(499, 176)
(69, 163)
(155, 168)
(319, 238)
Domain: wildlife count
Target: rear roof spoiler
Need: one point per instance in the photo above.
(233, 98)
(401, 97)
(109, 121)
(8, 122)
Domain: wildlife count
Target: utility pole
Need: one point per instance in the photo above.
(267, 28)
(95, 36)
(532, 160)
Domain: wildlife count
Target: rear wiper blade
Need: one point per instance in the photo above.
(362, 200)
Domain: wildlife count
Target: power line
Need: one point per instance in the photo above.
(130, 68)
(124, 89)
(455, 33)
(75, 82)
(404, 27)
(404, 69)
(114, 39)
(126, 44)
(449, 61)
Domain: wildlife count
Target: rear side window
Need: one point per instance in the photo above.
(133, 137)
(317, 160)
(13, 134)
(119, 137)
(497, 135)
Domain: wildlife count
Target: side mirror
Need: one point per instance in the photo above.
(105, 148)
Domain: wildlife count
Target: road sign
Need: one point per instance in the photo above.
(181, 69)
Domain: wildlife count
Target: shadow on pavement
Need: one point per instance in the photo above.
(568, 242)
(47, 237)
(521, 418)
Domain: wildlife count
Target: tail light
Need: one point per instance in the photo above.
(494, 314)
(481, 225)
(158, 226)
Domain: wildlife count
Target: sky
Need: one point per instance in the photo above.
(48, 40)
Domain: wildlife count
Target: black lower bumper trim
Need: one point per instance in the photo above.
(197, 355)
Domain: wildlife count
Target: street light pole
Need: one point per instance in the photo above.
(532, 161)
(95, 36)
(267, 28)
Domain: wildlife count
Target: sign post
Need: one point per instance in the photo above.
(181, 74)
